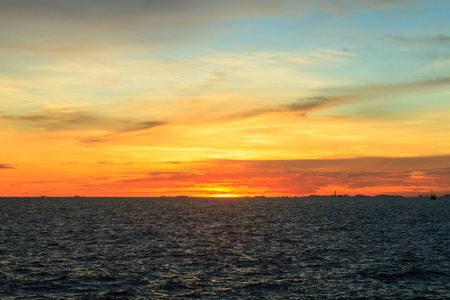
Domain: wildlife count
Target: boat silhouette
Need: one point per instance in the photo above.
(432, 195)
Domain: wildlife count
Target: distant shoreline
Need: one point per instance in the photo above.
(214, 197)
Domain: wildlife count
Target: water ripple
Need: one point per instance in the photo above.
(139, 248)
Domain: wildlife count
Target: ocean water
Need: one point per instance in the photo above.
(239, 248)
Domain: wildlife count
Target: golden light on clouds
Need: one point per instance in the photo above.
(227, 99)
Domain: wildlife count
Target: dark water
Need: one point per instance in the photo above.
(88, 248)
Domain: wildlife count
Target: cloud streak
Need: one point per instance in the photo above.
(114, 25)
(370, 175)
(344, 95)
(440, 38)
(182, 80)
(58, 120)
(6, 166)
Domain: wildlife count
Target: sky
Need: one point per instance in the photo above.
(224, 98)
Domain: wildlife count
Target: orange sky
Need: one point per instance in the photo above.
(234, 98)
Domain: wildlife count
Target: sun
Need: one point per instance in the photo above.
(225, 196)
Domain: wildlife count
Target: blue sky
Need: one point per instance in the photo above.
(154, 81)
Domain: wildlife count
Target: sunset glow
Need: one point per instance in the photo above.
(224, 98)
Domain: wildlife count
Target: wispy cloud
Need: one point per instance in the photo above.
(56, 120)
(370, 175)
(6, 166)
(117, 25)
(364, 94)
(332, 97)
(441, 38)
(363, 164)
(313, 103)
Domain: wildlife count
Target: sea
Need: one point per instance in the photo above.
(225, 248)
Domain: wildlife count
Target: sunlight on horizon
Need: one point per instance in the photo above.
(204, 98)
